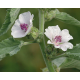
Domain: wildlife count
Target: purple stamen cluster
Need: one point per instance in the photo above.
(24, 27)
(57, 39)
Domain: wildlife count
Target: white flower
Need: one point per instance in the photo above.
(22, 25)
(59, 38)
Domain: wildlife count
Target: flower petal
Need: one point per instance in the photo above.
(29, 28)
(65, 35)
(49, 42)
(18, 34)
(66, 45)
(52, 31)
(15, 27)
(25, 17)
(55, 30)
(16, 31)
(17, 22)
(48, 34)
(57, 46)
(31, 17)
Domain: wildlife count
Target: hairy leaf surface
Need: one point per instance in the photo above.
(74, 53)
(62, 16)
(9, 46)
(9, 20)
(65, 62)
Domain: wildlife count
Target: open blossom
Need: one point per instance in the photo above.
(22, 25)
(59, 38)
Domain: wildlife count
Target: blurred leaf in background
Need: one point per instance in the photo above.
(29, 58)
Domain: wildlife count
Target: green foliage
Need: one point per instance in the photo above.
(55, 67)
(74, 53)
(50, 15)
(71, 59)
(65, 62)
(34, 32)
(9, 20)
(13, 14)
(45, 69)
(9, 46)
(62, 16)
(50, 51)
(59, 61)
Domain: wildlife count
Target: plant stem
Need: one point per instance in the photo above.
(62, 55)
(27, 43)
(42, 44)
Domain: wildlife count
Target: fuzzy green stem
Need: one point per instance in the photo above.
(27, 43)
(62, 55)
(42, 44)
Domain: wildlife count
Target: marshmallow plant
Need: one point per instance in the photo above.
(58, 52)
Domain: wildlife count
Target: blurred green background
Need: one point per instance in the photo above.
(29, 58)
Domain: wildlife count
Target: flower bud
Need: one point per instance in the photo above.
(50, 15)
(34, 32)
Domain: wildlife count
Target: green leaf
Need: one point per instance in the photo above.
(10, 46)
(65, 62)
(71, 59)
(14, 13)
(9, 20)
(45, 69)
(73, 53)
(62, 16)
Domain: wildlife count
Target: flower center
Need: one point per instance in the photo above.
(57, 39)
(24, 27)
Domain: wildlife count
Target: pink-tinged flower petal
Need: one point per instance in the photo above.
(17, 22)
(25, 18)
(15, 28)
(55, 30)
(29, 29)
(52, 31)
(48, 34)
(57, 46)
(66, 45)
(65, 35)
(18, 34)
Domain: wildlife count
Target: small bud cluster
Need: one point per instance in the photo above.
(34, 32)
(50, 15)
(50, 51)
